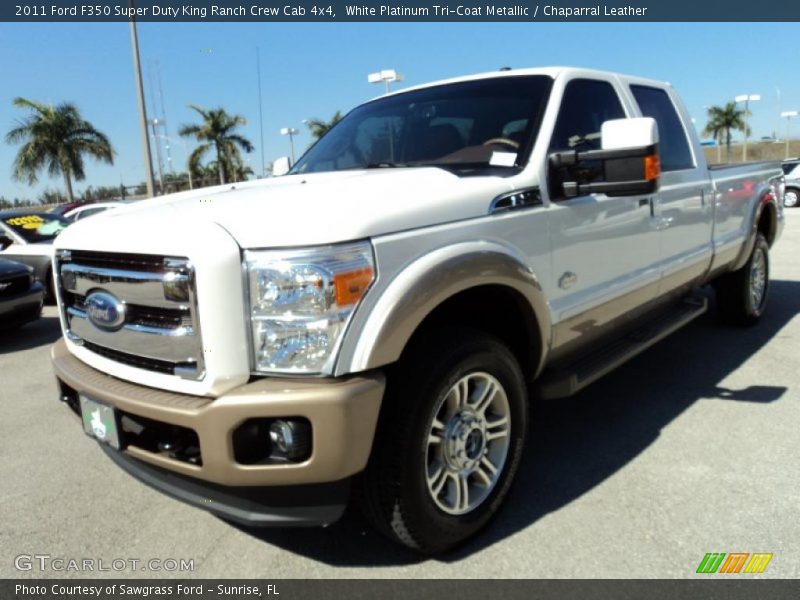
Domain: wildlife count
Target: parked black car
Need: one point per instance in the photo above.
(21, 295)
(27, 237)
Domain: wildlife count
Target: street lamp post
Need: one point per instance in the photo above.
(788, 115)
(747, 99)
(386, 76)
(291, 132)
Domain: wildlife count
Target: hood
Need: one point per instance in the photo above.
(9, 268)
(304, 210)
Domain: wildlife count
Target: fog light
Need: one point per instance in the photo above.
(291, 438)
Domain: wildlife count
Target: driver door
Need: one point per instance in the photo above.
(605, 249)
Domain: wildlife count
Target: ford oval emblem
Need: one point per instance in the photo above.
(105, 311)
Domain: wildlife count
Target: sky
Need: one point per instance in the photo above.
(312, 70)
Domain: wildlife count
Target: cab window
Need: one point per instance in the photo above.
(672, 143)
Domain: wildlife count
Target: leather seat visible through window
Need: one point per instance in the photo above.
(437, 141)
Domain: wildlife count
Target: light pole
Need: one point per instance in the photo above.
(386, 76)
(291, 132)
(788, 115)
(747, 99)
(137, 71)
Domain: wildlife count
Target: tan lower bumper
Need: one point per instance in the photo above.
(343, 413)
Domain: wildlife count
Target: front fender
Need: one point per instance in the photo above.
(427, 282)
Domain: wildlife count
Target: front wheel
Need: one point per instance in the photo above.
(790, 198)
(449, 443)
(742, 295)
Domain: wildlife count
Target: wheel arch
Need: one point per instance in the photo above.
(445, 286)
(764, 220)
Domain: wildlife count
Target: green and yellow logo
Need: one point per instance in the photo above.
(734, 562)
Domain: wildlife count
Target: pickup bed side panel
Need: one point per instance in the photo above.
(738, 193)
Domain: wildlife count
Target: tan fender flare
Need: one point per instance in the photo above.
(429, 281)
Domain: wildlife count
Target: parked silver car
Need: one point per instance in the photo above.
(791, 173)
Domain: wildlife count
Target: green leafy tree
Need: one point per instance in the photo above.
(217, 131)
(55, 139)
(722, 120)
(318, 127)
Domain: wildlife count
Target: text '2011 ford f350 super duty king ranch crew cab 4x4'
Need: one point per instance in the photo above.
(381, 315)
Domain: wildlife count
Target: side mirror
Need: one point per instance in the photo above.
(627, 165)
(281, 166)
(5, 241)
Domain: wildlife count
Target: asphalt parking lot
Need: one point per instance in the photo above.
(693, 447)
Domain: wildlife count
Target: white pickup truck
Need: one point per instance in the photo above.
(383, 313)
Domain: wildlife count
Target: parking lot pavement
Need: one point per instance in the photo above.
(690, 448)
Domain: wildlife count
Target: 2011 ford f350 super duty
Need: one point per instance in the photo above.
(383, 313)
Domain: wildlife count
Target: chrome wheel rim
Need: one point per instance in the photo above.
(790, 198)
(758, 278)
(468, 441)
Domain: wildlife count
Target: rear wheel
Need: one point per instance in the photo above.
(449, 442)
(790, 198)
(742, 295)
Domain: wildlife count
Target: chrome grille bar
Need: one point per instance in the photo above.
(133, 287)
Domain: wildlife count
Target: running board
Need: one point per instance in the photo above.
(571, 378)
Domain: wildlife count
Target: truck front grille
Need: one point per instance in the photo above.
(136, 309)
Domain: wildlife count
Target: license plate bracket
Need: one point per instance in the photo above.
(100, 421)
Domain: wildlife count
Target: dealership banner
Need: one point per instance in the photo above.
(352, 589)
(401, 11)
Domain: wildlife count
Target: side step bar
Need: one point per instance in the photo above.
(571, 378)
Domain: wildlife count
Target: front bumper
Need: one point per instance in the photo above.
(22, 308)
(314, 504)
(343, 414)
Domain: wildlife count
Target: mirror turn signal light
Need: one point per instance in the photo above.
(652, 167)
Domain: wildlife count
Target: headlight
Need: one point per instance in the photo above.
(301, 302)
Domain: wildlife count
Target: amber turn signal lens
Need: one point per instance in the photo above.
(652, 167)
(351, 286)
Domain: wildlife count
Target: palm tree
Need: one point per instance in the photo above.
(721, 120)
(319, 127)
(55, 138)
(217, 130)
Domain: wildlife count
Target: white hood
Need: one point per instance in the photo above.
(296, 210)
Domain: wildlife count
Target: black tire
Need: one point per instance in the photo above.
(736, 300)
(395, 494)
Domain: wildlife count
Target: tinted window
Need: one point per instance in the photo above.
(672, 142)
(789, 167)
(586, 105)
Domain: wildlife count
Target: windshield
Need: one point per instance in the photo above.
(36, 227)
(470, 125)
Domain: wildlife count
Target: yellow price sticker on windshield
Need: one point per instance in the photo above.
(26, 222)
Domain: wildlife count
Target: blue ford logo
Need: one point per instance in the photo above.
(105, 311)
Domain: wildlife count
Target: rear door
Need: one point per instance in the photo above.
(604, 249)
(684, 210)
